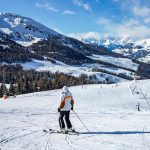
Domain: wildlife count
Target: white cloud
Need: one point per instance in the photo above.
(139, 8)
(47, 7)
(131, 23)
(139, 31)
(69, 12)
(141, 11)
(82, 4)
(147, 20)
(137, 26)
(80, 36)
(103, 21)
(128, 28)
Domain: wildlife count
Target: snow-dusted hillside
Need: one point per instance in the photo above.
(109, 112)
(124, 62)
(132, 48)
(85, 69)
(36, 43)
(138, 49)
(23, 30)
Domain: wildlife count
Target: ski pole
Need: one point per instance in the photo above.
(81, 120)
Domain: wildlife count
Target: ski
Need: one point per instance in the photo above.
(54, 131)
(51, 131)
(73, 133)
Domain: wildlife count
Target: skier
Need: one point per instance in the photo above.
(64, 108)
(138, 106)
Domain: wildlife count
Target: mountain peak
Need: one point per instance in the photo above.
(22, 29)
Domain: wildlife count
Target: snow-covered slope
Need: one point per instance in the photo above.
(132, 48)
(124, 62)
(87, 69)
(138, 49)
(109, 112)
(24, 30)
(110, 42)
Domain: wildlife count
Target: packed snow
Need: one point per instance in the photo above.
(71, 70)
(108, 111)
(124, 62)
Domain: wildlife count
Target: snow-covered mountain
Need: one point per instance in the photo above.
(24, 30)
(25, 41)
(129, 47)
(109, 112)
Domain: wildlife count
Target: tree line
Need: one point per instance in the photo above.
(26, 81)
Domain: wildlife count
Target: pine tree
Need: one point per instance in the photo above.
(11, 90)
(18, 89)
(3, 90)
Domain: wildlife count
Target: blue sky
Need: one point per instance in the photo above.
(87, 18)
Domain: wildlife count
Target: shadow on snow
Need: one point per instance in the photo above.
(118, 132)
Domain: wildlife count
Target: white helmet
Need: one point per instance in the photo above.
(65, 89)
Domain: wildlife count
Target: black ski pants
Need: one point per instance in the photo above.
(65, 114)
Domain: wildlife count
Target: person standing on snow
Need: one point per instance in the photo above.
(64, 108)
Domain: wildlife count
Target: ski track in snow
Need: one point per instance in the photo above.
(108, 111)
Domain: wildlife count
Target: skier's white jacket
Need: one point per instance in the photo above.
(66, 100)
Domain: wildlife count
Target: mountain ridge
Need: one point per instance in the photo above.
(24, 29)
(53, 47)
(138, 49)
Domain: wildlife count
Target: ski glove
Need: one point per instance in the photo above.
(58, 109)
(71, 108)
